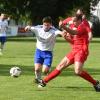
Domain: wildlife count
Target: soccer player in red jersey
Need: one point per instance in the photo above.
(77, 56)
(85, 22)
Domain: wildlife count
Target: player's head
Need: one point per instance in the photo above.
(3, 16)
(80, 11)
(47, 23)
(77, 20)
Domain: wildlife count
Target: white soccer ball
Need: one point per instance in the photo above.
(15, 71)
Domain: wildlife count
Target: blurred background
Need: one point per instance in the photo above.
(30, 12)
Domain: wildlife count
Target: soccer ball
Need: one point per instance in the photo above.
(15, 71)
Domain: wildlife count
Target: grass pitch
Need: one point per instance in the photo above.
(20, 52)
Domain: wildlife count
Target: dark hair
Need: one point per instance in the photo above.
(47, 20)
(81, 9)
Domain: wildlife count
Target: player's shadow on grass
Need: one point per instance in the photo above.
(5, 69)
(70, 71)
(72, 88)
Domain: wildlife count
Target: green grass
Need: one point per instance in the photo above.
(67, 86)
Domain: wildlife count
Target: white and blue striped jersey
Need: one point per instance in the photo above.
(3, 27)
(45, 40)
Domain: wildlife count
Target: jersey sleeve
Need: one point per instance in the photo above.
(36, 27)
(34, 30)
(85, 22)
(88, 29)
(57, 32)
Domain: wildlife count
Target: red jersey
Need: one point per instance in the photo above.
(82, 37)
(80, 40)
(80, 43)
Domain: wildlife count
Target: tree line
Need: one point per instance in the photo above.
(35, 10)
(32, 11)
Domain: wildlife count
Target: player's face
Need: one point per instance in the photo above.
(46, 26)
(76, 22)
(3, 16)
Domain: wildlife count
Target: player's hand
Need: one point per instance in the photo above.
(60, 23)
(64, 33)
(27, 28)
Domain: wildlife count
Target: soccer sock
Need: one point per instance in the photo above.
(37, 74)
(52, 75)
(87, 77)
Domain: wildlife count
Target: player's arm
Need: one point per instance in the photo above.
(70, 31)
(28, 28)
(88, 28)
(33, 29)
(67, 36)
(90, 35)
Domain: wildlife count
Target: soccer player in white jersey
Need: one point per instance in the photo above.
(3, 29)
(45, 35)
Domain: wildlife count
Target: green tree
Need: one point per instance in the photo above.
(35, 10)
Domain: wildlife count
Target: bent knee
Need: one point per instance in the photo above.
(77, 72)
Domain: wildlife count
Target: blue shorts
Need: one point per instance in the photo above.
(43, 57)
(3, 39)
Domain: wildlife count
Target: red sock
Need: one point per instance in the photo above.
(87, 77)
(52, 75)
